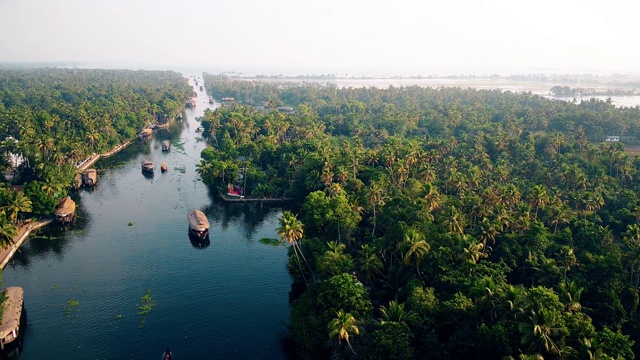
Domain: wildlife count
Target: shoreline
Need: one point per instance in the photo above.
(30, 225)
(23, 233)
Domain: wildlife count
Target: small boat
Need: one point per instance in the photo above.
(90, 177)
(167, 355)
(147, 166)
(12, 315)
(163, 167)
(201, 88)
(166, 145)
(198, 224)
(65, 210)
(210, 100)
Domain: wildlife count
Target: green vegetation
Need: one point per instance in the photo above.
(272, 242)
(442, 223)
(71, 304)
(146, 303)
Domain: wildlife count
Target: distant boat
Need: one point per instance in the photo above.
(167, 355)
(166, 145)
(90, 177)
(198, 224)
(163, 167)
(210, 100)
(147, 166)
(65, 210)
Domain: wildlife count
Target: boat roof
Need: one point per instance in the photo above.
(65, 206)
(12, 308)
(198, 219)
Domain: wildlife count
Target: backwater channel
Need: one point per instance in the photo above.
(83, 287)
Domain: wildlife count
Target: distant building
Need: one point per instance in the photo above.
(622, 138)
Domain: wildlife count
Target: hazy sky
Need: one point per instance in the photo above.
(328, 36)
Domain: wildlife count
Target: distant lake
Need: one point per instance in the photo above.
(226, 299)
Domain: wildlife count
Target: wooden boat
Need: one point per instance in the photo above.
(163, 167)
(90, 177)
(167, 355)
(166, 145)
(147, 166)
(12, 316)
(145, 134)
(198, 224)
(65, 210)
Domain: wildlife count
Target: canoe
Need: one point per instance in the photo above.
(198, 224)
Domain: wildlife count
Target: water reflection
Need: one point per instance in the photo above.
(199, 243)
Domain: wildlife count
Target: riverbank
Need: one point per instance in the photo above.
(26, 229)
(23, 233)
(95, 157)
(228, 198)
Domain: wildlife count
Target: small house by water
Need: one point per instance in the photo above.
(90, 178)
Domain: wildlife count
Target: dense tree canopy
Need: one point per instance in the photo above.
(476, 223)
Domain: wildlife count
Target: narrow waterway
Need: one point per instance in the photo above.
(83, 287)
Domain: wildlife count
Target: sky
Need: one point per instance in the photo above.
(295, 37)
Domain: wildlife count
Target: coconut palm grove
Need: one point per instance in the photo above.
(422, 223)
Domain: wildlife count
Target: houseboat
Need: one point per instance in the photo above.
(147, 166)
(198, 224)
(12, 318)
(192, 102)
(166, 145)
(90, 178)
(145, 134)
(65, 211)
(163, 167)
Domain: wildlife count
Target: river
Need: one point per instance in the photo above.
(83, 287)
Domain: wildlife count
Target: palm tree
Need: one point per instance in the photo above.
(291, 230)
(342, 326)
(538, 332)
(8, 232)
(396, 313)
(369, 262)
(415, 248)
(538, 197)
(17, 203)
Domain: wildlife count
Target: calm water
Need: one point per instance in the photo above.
(226, 299)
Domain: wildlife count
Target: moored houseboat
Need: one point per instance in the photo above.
(198, 224)
(12, 318)
(166, 145)
(163, 167)
(65, 211)
(145, 134)
(147, 166)
(90, 178)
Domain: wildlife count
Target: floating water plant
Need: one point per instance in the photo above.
(272, 242)
(146, 303)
